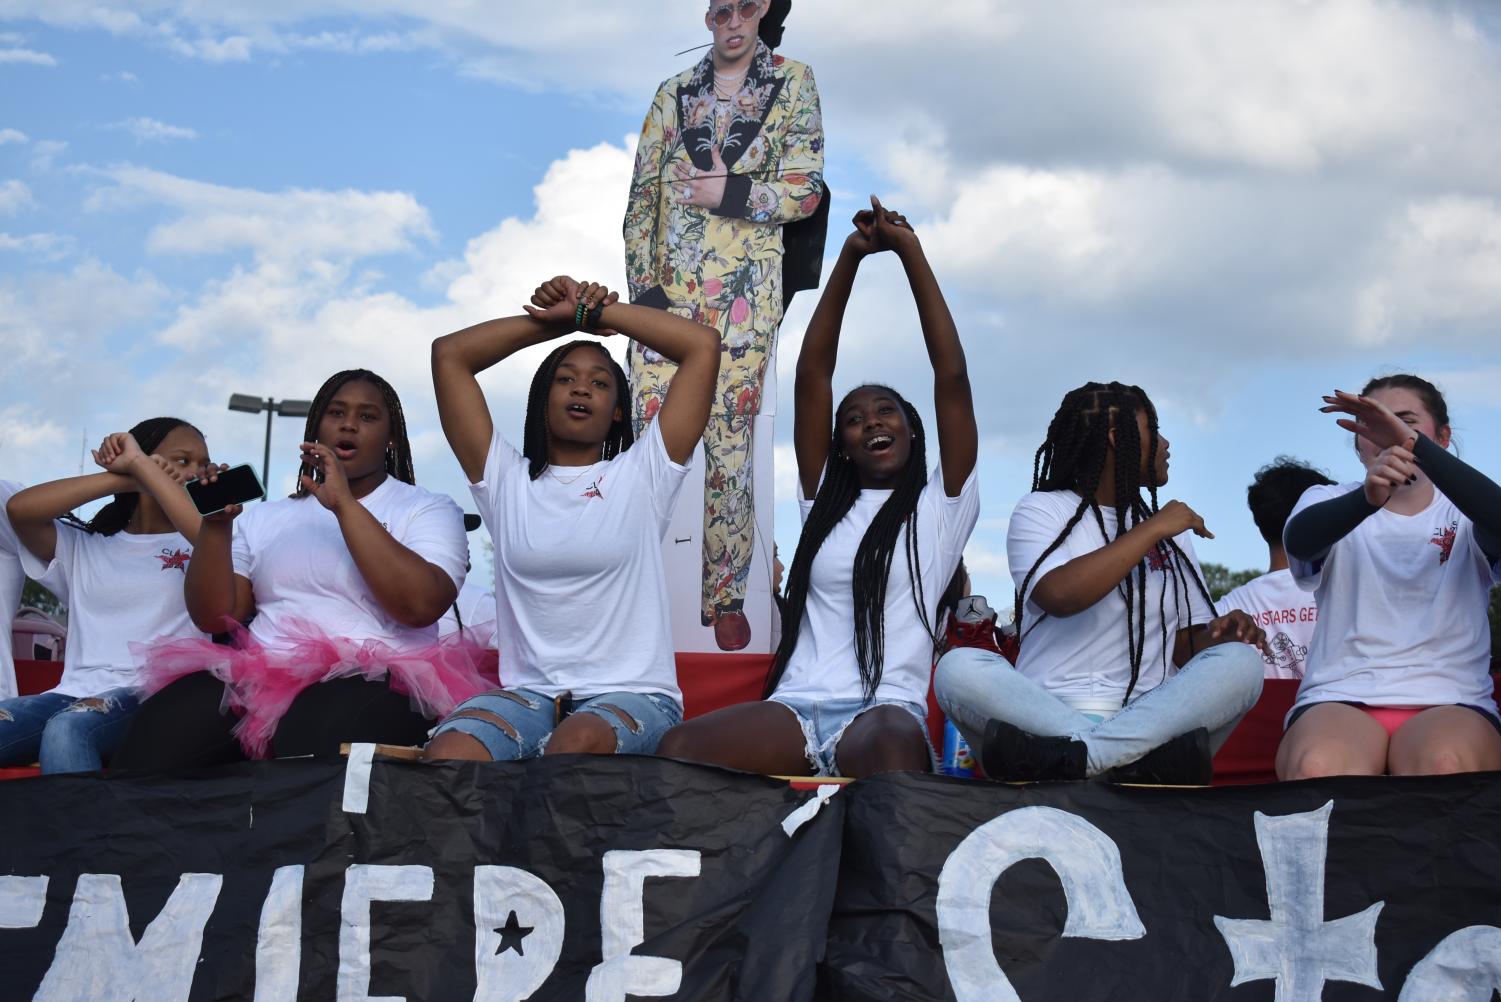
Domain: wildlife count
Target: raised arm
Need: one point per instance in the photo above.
(157, 476)
(1473, 493)
(457, 359)
(33, 511)
(953, 404)
(694, 347)
(813, 386)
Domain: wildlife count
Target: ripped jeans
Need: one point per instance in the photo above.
(531, 717)
(66, 733)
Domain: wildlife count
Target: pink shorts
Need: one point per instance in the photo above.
(1393, 717)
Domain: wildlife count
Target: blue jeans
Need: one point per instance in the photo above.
(824, 722)
(1213, 691)
(531, 717)
(66, 733)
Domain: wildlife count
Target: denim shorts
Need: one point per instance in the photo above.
(824, 721)
(533, 717)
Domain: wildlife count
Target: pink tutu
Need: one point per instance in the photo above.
(260, 683)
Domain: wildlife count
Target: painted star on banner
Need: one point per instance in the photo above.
(511, 935)
(1296, 947)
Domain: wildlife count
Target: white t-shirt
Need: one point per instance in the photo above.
(120, 589)
(477, 607)
(823, 665)
(1084, 658)
(1402, 610)
(301, 569)
(580, 588)
(12, 581)
(1286, 612)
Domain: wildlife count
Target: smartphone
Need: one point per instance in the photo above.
(236, 485)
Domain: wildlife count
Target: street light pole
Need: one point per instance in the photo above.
(248, 404)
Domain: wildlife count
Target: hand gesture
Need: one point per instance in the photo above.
(178, 473)
(1238, 626)
(1176, 518)
(878, 229)
(1372, 420)
(1392, 468)
(556, 302)
(117, 452)
(704, 189)
(333, 493)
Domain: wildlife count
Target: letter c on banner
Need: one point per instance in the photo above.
(1464, 967)
(518, 933)
(1088, 865)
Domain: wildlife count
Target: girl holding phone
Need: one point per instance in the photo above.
(345, 581)
(121, 574)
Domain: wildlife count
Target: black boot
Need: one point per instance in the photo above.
(1011, 753)
(1183, 761)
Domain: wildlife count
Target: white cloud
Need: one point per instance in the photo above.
(29, 57)
(8, 136)
(150, 130)
(1438, 270)
(123, 76)
(14, 196)
(44, 246)
(45, 152)
(22, 435)
(294, 229)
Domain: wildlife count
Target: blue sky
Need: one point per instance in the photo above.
(1238, 206)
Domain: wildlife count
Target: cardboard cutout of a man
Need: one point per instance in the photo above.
(726, 221)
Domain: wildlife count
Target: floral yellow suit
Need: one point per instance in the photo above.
(724, 266)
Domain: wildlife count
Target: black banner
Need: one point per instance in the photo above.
(1299, 892)
(596, 879)
(566, 878)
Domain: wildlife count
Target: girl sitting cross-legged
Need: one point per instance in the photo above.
(1123, 665)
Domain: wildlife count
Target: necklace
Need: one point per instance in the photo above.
(573, 478)
(726, 86)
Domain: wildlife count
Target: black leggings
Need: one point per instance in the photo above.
(182, 726)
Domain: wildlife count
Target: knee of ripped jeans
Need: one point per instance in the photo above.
(94, 704)
(493, 719)
(631, 723)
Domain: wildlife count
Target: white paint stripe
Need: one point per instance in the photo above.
(22, 901)
(803, 814)
(357, 778)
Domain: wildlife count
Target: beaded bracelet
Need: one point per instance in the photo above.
(591, 321)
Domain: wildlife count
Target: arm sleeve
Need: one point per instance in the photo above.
(793, 191)
(640, 227)
(1311, 533)
(501, 458)
(1473, 493)
(1032, 529)
(55, 575)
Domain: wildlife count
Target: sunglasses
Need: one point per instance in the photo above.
(721, 14)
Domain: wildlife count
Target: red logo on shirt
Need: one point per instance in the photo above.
(175, 560)
(1156, 559)
(592, 491)
(1444, 540)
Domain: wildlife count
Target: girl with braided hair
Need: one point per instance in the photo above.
(1123, 665)
(121, 576)
(577, 517)
(1397, 677)
(331, 598)
(882, 535)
